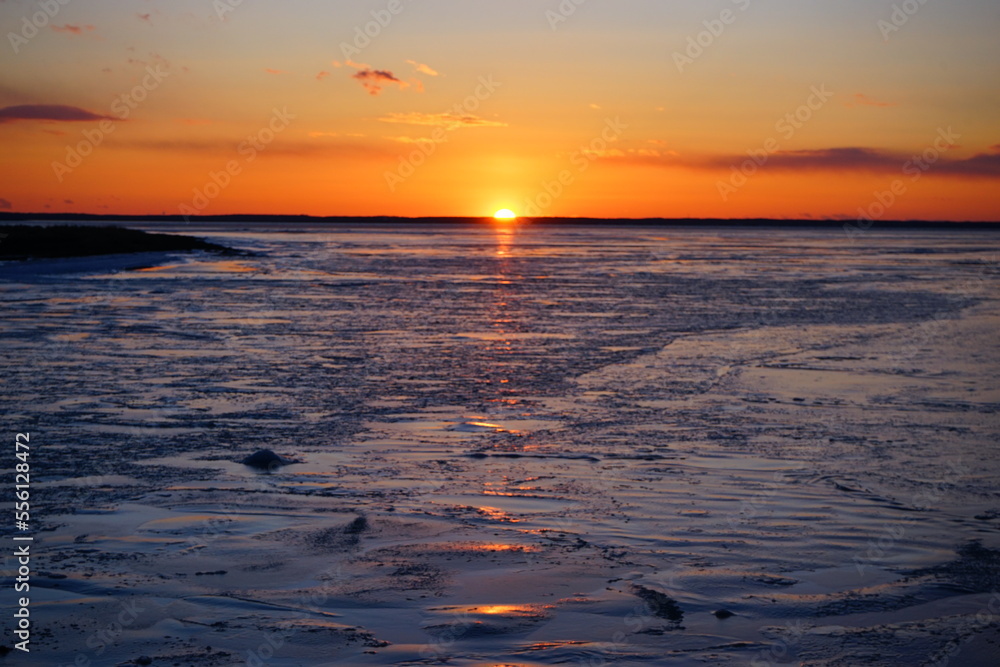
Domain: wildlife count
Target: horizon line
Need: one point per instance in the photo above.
(298, 217)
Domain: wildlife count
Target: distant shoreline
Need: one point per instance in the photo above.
(27, 242)
(623, 222)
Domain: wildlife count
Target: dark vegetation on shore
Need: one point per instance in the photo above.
(31, 242)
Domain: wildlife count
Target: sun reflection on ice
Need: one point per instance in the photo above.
(508, 609)
(497, 514)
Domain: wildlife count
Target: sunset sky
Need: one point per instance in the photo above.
(462, 107)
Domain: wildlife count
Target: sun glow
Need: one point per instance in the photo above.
(505, 214)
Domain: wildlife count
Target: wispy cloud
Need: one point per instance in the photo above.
(351, 63)
(837, 159)
(374, 80)
(879, 161)
(74, 29)
(407, 140)
(271, 70)
(48, 112)
(422, 68)
(154, 59)
(305, 148)
(847, 159)
(981, 164)
(448, 120)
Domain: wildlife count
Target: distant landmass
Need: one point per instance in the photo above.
(385, 219)
(19, 242)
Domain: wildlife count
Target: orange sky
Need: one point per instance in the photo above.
(728, 109)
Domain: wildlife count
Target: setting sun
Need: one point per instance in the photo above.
(505, 214)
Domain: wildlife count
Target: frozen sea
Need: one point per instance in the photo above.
(515, 445)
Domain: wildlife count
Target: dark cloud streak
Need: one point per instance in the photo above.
(49, 112)
(852, 159)
(375, 79)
